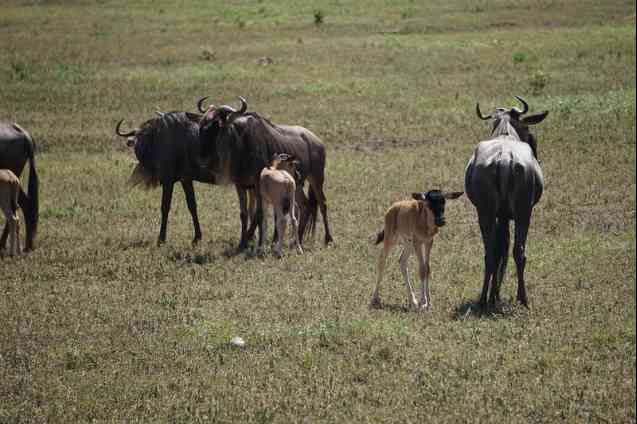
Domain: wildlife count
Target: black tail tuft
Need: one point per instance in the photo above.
(380, 236)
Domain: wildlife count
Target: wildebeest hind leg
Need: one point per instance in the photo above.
(5, 234)
(519, 243)
(191, 200)
(487, 229)
(303, 204)
(502, 257)
(166, 199)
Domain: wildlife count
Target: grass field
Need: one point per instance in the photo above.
(99, 324)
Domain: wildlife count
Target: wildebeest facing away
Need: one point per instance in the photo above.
(413, 222)
(168, 149)
(238, 145)
(504, 181)
(9, 193)
(16, 148)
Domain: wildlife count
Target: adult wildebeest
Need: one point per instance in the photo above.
(9, 193)
(168, 149)
(504, 181)
(238, 145)
(16, 148)
(413, 222)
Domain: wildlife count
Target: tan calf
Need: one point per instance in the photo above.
(277, 187)
(9, 191)
(414, 223)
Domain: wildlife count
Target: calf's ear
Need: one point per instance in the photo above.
(453, 194)
(535, 119)
(418, 196)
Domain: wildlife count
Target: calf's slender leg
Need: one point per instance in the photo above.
(295, 224)
(189, 191)
(423, 251)
(382, 259)
(404, 256)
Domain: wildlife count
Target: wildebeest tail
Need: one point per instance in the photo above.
(143, 178)
(31, 211)
(380, 236)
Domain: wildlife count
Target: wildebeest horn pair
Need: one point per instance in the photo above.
(520, 112)
(232, 113)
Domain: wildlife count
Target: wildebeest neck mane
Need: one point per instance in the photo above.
(503, 127)
(170, 125)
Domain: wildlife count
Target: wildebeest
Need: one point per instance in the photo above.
(16, 148)
(238, 145)
(168, 149)
(504, 181)
(413, 222)
(277, 184)
(9, 193)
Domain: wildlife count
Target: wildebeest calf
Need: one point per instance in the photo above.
(9, 192)
(277, 187)
(414, 223)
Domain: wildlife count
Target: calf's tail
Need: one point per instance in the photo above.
(380, 236)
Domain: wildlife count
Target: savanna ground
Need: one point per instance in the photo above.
(99, 324)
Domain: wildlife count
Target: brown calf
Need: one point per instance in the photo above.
(414, 223)
(9, 192)
(277, 186)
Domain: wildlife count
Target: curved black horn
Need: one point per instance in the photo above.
(200, 104)
(235, 114)
(524, 104)
(128, 134)
(484, 118)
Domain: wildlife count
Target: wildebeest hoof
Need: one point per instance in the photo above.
(376, 303)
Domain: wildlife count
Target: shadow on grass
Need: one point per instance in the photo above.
(473, 309)
(395, 308)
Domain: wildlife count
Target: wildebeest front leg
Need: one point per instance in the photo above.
(189, 191)
(243, 215)
(166, 199)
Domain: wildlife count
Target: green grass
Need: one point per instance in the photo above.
(98, 324)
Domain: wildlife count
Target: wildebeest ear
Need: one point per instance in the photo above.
(418, 196)
(453, 194)
(535, 119)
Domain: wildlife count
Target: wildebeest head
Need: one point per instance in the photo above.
(131, 136)
(215, 120)
(504, 119)
(219, 116)
(436, 200)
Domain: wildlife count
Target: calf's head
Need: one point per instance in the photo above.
(435, 201)
(503, 118)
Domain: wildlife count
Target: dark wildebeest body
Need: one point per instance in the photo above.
(238, 145)
(504, 181)
(168, 150)
(16, 148)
